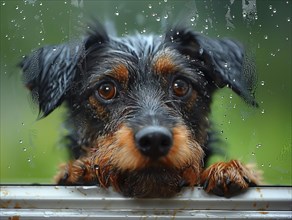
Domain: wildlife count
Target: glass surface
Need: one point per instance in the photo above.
(31, 149)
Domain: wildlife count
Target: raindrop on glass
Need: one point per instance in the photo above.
(150, 6)
(288, 19)
(24, 149)
(262, 83)
(266, 37)
(20, 141)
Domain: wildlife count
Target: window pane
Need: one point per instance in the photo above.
(31, 149)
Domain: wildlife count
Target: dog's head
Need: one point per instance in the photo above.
(139, 102)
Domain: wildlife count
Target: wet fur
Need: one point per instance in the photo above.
(143, 68)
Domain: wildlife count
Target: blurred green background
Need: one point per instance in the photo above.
(31, 150)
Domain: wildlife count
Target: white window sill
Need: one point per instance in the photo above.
(60, 202)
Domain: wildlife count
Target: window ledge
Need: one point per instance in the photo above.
(68, 202)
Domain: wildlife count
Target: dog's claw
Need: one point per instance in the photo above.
(246, 179)
(64, 178)
(227, 181)
(206, 183)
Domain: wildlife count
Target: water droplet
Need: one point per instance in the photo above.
(263, 111)
(22, 124)
(16, 7)
(166, 16)
(288, 19)
(150, 6)
(270, 7)
(262, 83)
(270, 165)
(252, 153)
(3, 3)
(262, 165)
(165, 1)
(24, 149)
(20, 141)
(117, 13)
(258, 145)
(274, 10)
(266, 37)
(158, 19)
(29, 160)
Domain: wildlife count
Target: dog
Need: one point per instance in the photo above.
(138, 109)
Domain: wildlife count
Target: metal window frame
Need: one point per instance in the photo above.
(82, 202)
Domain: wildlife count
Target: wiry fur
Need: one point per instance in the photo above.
(143, 70)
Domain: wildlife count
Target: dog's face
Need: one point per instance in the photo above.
(139, 104)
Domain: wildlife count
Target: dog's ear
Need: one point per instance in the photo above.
(49, 72)
(223, 61)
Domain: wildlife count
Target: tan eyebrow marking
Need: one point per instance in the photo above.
(121, 73)
(164, 65)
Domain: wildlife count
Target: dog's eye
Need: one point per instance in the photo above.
(180, 87)
(107, 91)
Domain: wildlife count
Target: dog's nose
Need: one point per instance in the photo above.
(154, 141)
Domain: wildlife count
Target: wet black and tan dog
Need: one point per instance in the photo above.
(139, 109)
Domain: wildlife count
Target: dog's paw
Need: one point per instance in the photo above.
(228, 178)
(76, 173)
